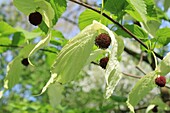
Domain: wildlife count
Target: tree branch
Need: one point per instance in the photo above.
(115, 22)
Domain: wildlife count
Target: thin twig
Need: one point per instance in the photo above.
(131, 75)
(141, 70)
(71, 21)
(115, 22)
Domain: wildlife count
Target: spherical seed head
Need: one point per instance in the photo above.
(103, 41)
(103, 62)
(25, 62)
(35, 18)
(160, 81)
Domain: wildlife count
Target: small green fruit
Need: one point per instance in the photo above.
(103, 41)
(35, 18)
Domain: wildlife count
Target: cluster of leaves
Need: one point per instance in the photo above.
(81, 50)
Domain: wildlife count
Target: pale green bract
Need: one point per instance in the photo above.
(40, 44)
(76, 53)
(141, 89)
(14, 67)
(112, 74)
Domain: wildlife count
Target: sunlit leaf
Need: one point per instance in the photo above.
(6, 29)
(140, 90)
(51, 56)
(116, 7)
(28, 35)
(86, 18)
(120, 46)
(138, 10)
(151, 10)
(162, 37)
(136, 30)
(151, 27)
(25, 6)
(59, 7)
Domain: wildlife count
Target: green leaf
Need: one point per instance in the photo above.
(138, 10)
(44, 28)
(162, 37)
(4, 41)
(140, 90)
(18, 38)
(25, 6)
(164, 66)
(55, 94)
(166, 5)
(136, 30)
(59, 7)
(28, 35)
(151, 10)
(86, 18)
(120, 45)
(6, 29)
(151, 27)
(14, 68)
(50, 57)
(116, 7)
(118, 98)
(58, 39)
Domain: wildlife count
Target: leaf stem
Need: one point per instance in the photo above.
(101, 13)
